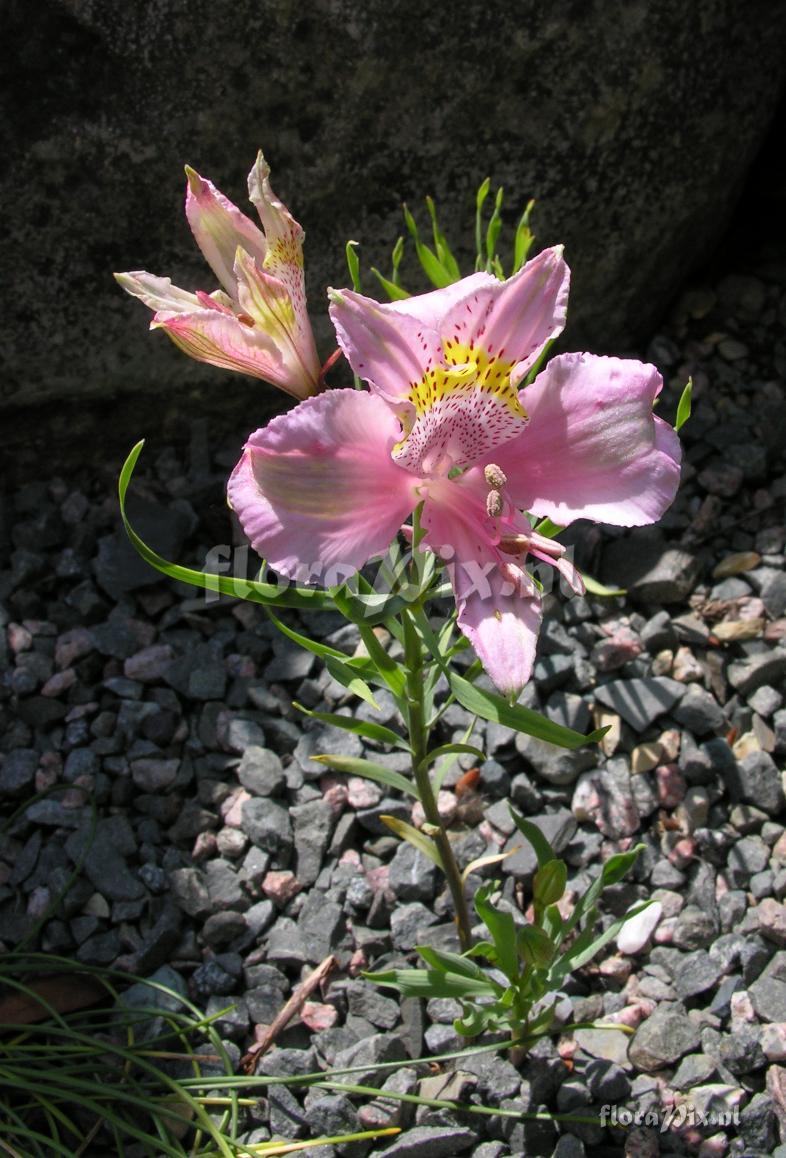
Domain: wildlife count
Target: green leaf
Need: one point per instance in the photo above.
(395, 292)
(480, 199)
(547, 528)
(343, 674)
(541, 847)
(535, 947)
(395, 260)
(414, 836)
(353, 264)
(580, 954)
(483, 949)
(493, 229)
(447, 762)
(502, 928)
(371, 731)
(357, 766)
(435, 271)
(524, 238)
(430, 983)
(264, 593)
(444, 252)
(389, 670)
(447, 962)
(475, 1019)
(549, 882)
(449, 749)
(684, 406)
(618, 865)
(492, 707)
(596, 588)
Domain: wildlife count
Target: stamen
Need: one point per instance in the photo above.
(493, 504)
(494, 476)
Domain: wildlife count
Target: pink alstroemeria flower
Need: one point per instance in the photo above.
(325, 487)
(257, 322)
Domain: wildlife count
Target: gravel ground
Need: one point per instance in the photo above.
(228, 865)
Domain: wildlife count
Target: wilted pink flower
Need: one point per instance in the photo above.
(325, 487)
(257, 322)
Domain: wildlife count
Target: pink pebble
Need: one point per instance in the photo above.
(280, 887)
(205, 847)
(232, 808)
(670, 785)
(59, 683)
(363, 793)
(19, 638)
(317, 1016)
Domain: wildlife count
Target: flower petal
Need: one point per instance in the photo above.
(497, 602)
(388, 349)
(266, 301)
(316, 490)
(219, 228)
(210, 335)
(502, 622)
(157, 292)
(529, 311)
(593, 448)
(432, 308)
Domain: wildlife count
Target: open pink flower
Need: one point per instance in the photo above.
(257, 322)
(325, 487)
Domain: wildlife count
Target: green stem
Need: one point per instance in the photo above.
(418, 738)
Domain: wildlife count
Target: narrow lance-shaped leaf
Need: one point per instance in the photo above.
(502, 928)
(493, 707)
(684, 406)
(255, 592)
(444, 252)
(541, 847)
(415, 837)
(455, 963)
(579, 955)
(389, 670)
(449, 749)
(395, 292)
(435, 271)
(370, 730)
(357, 766)
(596, 588)
(353, 264)
(493, 230)
(524, 238)
(430, 983)
(343, 674)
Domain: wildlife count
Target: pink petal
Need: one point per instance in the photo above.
(432, 308)
(389, 349)
(219, 228)
(284, 237)
(530, 311)
(157, 293)
(497, 602)
(593, 448)
(316, 490)
(267, 301)
(501, 622)
(210, 335)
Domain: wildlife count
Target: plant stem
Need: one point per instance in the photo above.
(418, 738)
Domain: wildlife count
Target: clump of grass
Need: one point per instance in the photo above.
(82, 1072)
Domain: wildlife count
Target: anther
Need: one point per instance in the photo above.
(494, 476)
(493, 504)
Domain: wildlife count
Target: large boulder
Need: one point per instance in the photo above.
(632, 123)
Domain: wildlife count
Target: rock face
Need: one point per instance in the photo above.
(632, 124)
